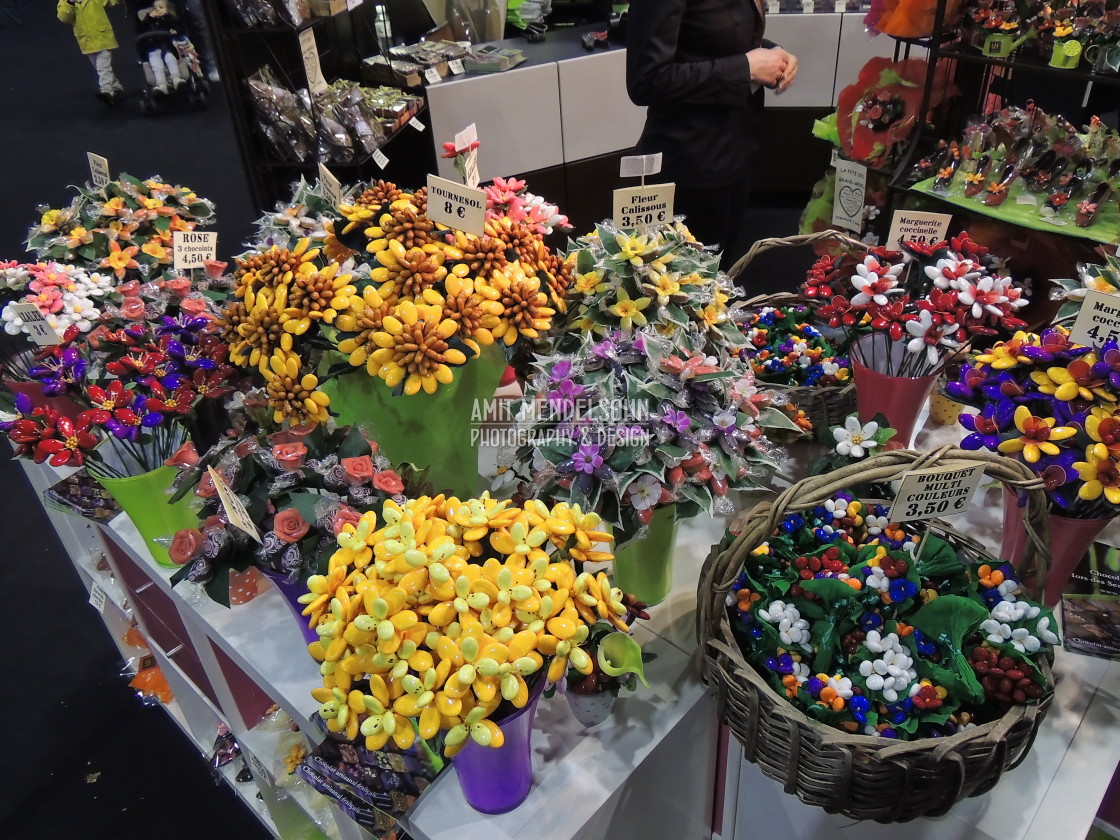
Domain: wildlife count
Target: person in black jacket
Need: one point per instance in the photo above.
(700, 67)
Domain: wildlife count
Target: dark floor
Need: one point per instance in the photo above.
(84, 758)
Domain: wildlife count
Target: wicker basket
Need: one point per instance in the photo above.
(825, 406)
(861, 776)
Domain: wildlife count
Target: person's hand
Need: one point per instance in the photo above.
(790, 73)
(768, 65)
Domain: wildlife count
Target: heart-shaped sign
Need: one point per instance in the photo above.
(850, 200)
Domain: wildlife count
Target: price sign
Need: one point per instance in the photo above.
(351, 5)
(311, 66)
(192, 248)
(639, 166)
(938, 491)
(432, 75)
(235, 511)
(840, 6)
(98, 170)
(97, 598)
(37, 326)
(807, 6)
(455, 65)
(380, 159)
(332, 187)
(147, 661)
(773, 7)
(470, 169)
(921, 228)
(415, 123)
(1098, 321)
(638, 206)
(456, 205)
(847, 204)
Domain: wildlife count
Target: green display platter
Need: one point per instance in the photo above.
(1105, 230)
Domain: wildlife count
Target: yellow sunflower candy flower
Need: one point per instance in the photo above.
(596, 599)
(292, 396)
(413, 349)
(1101, 476)
(634, 249)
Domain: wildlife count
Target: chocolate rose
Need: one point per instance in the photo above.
(178, 286)
(387, 481)
(193, 305)
(290, 456)
(357, 470)
(185, 456)
(132, 308)
(345, 516)
(185, 546)
(206, 488)
(290, 526)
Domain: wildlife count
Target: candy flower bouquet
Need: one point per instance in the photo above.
(1054, 406)
(905, 313)
(443, 618)
(645, 431)
(299, 487)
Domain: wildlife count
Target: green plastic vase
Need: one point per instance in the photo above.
(644, 568)
(144, 498)
(439, 430)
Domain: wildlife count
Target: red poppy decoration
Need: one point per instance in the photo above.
(881, 108)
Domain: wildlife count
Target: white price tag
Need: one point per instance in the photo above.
(310, 53)
(839, 7)
(470, 171)
(97, 598)
(235, 511)
(465, 137)
(835, 157)
(332, 187)
(351, 5)
(938, 491)
(415, 123)
(807, 7)
(649, 205)
(915, 226)
(847, 204)
(192, 248)
(1098, 321)
(36, 323)
(1027, 198)
(456, 205)
(455, 65)
(639, 166)
(773, 7)
(464, 44)
(380, 159)
(98, 170)
(432, 75)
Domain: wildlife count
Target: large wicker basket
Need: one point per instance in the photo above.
(825, 405)
(861, 776)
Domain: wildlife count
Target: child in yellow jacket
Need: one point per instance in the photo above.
(95, 39)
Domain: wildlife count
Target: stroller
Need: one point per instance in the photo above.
(167, 57)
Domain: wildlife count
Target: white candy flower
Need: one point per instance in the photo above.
(874, 283)
(893, 672)
(855, 439)
(792, 628)
(920, 327)
(1045, 633)
(875, 524)
(645, 492)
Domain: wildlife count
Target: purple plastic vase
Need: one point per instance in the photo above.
(291, 593)
(498, 780)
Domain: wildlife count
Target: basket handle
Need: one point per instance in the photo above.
(799, 239)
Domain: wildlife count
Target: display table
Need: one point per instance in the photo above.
(658, 766)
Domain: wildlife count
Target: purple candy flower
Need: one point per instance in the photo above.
(560, 371)
(677, 420)
(587, 458)
(988, 426)
(562, 398)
